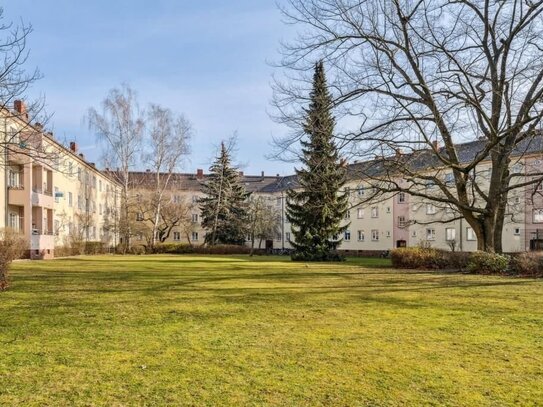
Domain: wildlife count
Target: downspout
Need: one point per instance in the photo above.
(282, 221)
(461, 237)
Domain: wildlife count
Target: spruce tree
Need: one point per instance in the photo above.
(224, 208)
(317, 209)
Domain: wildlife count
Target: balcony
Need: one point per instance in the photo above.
(42, 246)
(43, 198)
(17, 195)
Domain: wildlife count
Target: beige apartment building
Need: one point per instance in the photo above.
(398, 220)
(49, 192)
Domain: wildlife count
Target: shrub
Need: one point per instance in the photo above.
(12, 246)
(140, 249)
(419, 258)
(487, 263)
(528, 264)
(184, 248)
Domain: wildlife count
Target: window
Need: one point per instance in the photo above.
(516, 200)
(176, 199)
(360, 191)
(516, 231)
(414, 233)
(194, 236)
(430, 234)
(79, 173)
(194, 218)
(430, 209)
(139, 217)
(195, 199)
(470, 234)
(177, 236)
(450, 234)
(287, 236)
(14, 221)
(347, 191)
(15, 180)
(360, 213)
(348, 215)
(388, 209)
(347, 235)
(517, 168)
(100, 185)
(388, 233)
(430, 184)
(361, 236)
(374, 212)
(401, 197)
(449, 178)
(70, 199)
(57, 195)
(375, 235)
(278, 202)
(538, 215)
(70, 168)
(401, 221)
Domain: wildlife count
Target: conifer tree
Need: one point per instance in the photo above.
(317, 209)
(224, 208)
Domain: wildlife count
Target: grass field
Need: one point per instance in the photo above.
(164, 330)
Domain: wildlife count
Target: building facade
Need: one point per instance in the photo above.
(49, 193)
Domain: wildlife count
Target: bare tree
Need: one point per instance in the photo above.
(263, 221)
(416, 78)
(168, 136)
(120, 125)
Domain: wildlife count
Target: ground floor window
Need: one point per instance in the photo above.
(470, 234)
(375, 235)
(176, 236)
(450, 234)
(194, 236)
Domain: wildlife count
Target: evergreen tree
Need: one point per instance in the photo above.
(317, 209)
(224, 209)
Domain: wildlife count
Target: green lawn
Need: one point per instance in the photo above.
(165, 330)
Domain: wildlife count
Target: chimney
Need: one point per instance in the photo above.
(73, 147)
(38, 126)
(93, 165)
(20, 107)
(199, 173)
(81, 156)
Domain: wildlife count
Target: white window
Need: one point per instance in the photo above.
(14, 221)
(401, 221)
(517, 168)
(177, 236)
(287, 236)
(430, 234)
(375, 235)
(57, 195)
(538, 215)
(194, 218)
(516, 231)
(176, 199)
(470, 234)
(348, 215)
(375, 212)
(139, 217)
(516, 200)
(347, 235)
(361, 236)
(430, 209)
(388, 233)
(347, 191)
(388, 209)
(360, 213)
(194, 236)
(449, 178)
(401, 197)
(450, 234)
(360, 191)
(414, 233)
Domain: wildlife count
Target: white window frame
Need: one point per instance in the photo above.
(375, 212)
(450, 234)
(470, 234)
(361, 236)
(375, 235)
(430, 234)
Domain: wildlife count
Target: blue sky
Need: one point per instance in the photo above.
(207, 59)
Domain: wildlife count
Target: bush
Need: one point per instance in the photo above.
(487, 263)
(527, 264)
(183, 248)
(137, 250)
(420, 258)
(12, 246)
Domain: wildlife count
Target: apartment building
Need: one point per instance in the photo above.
(49, 192)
